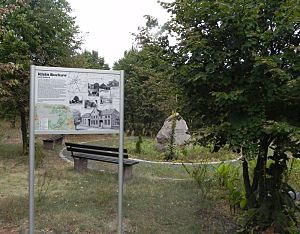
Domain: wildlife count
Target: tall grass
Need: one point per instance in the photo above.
(187, 153)
(159, 199)
(10, 151)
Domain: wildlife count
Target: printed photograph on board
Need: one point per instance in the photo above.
(77, 99)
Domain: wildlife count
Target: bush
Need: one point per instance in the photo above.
(201, 175)
(39, 155)
(229, 177)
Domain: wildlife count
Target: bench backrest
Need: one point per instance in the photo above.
(95, 150)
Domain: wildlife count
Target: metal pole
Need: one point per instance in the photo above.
(31, 152)
(121, 149)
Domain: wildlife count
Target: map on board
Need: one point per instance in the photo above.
(54, 117)
(75, 84)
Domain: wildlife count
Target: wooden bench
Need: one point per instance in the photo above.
(50, 142)
(81, 153)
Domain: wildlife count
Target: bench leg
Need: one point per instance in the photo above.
(80, 164)
(48, 145)
(59, 141)
(127, 172)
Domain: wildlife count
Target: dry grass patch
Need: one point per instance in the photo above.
(159, 198)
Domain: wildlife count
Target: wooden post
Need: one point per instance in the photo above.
(127, 173)
(80, 164)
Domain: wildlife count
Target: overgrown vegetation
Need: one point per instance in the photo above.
(237, 65)
(231, 66)
(229, 177)
(159, 199)
(32, 32)
(187, 153)
(149, 94)
(170, 150)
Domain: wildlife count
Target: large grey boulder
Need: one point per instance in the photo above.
(180, 133)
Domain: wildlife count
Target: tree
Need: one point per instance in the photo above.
(149, 95)
(237, 62)
(90, 60)
(14, 95)
(34, 32)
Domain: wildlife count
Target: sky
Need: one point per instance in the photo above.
(107, 24)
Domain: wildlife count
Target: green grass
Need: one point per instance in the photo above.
(159, 199)
(8, 134)
(9, 151)
(188, 153)
(294, 174)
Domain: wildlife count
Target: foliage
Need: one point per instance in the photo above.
(226, 176)
(293, 174)
(237, 63)
(229, 176)
(39, 32)
(6, 9)
(283, 217)
(138, 145)
(39, 155)
(88, 59)
(8, 113)
(170, 151)
(43, 185)
(32, 32)
(189, 153)
(149, 94)
(227, 172)
(14, 95)
(201, 175)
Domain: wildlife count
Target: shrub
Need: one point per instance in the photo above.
(39, 155)
(229, 177)
(201, 175)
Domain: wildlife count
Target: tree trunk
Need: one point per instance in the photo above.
(249, 193)
(23, 128)
(258, 184)
(138, 145)
(263, 153)
(256, 175)
(13, 121)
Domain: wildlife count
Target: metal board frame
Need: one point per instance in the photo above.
(56, 86)
(33, 132)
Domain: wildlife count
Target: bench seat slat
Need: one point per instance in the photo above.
(105, 159)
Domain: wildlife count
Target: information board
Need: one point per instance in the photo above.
(76, 101)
